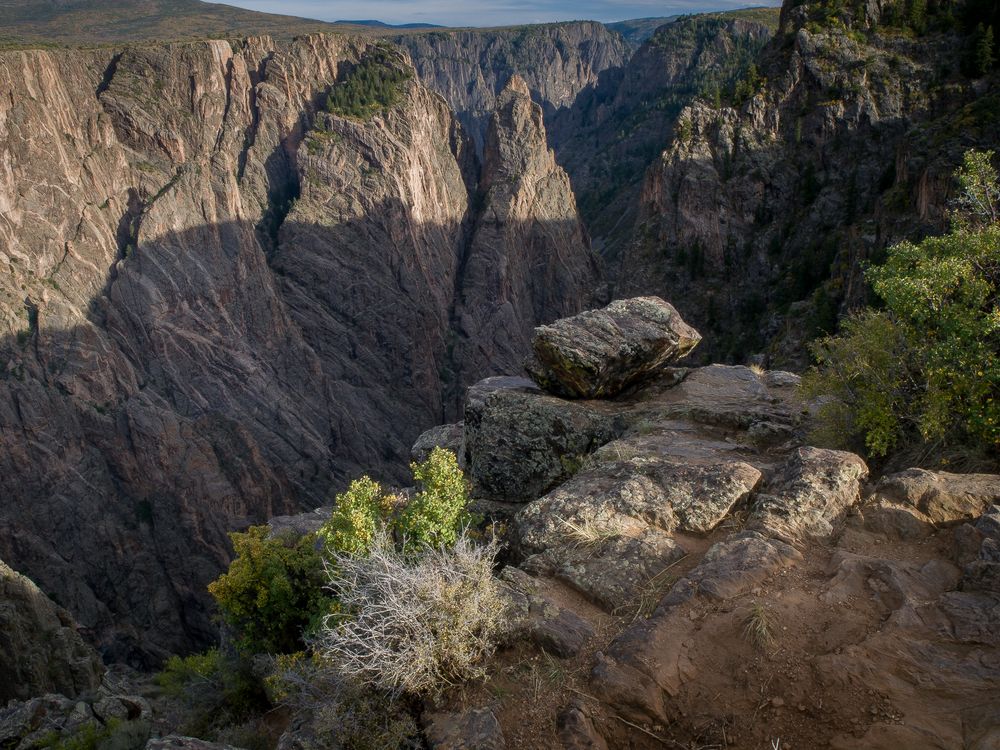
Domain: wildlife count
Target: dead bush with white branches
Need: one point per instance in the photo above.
(414, 623)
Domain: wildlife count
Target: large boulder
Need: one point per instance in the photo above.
(600, 353)
(40, 649)
(812, 495)
(912, 502)
(521, 443)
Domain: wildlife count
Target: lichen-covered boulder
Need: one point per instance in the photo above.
(811, 497)
(600, 353)
(520, 443)
(40, 649)
(940, 496)
(447, 436)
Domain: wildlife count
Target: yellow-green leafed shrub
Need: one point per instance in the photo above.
(272, 592)
(358, 515)
(438, 512)
(433, 516)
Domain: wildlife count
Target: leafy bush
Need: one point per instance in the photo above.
(417, 623)
(272, 592)
(437, 513)
(434, 515)
(357, 516)
(215, 691)
(927, 367)
(335, 712)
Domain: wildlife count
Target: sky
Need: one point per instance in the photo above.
(488, 12)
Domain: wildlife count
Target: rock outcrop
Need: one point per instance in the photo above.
(912, 503)
(600, 353)
(697, 566)
(40, 649)
(471, 68)
(843, 143)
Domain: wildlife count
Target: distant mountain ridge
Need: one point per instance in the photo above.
(384, 25)
(96, 22)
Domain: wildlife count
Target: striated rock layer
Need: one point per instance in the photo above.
(221, 301)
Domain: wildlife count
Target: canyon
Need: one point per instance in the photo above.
(224, 298)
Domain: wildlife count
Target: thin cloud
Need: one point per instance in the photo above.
(505, 12)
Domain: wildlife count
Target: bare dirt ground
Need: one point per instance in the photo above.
(845, 656)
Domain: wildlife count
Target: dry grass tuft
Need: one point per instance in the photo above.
(759, 626)
(757, 370)
(589, 533)
(416, 624)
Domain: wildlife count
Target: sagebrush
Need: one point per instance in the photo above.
(419, 621)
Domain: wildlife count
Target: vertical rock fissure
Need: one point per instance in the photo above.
(109, 73)
(250, 136)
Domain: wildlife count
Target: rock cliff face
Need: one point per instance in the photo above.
(41, 649)
(618, 126)
(843, 144)
(471, 68)
(220, 302)
(528, 251)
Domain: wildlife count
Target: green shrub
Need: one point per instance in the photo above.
(215, 691)
(358, 515)
(272, 592)
(925, 369)
(434, 515)
(336, 712)
(437, 513)
(375, 84)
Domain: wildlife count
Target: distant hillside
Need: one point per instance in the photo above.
(95, 22)
(637, 30)
(384, 25)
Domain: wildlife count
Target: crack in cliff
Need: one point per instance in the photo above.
(109, 73)
(228, 75)
(250, 135)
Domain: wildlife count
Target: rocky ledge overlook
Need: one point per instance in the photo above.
(684, 569)
(696, 574)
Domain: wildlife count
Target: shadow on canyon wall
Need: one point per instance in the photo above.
(215, 384)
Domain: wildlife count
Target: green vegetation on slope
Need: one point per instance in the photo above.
(375, 84)
(925, 368)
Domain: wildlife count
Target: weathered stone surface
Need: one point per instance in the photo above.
(449, 436)
(521, 443)
(940, 496)
(896, 520)
(732, 567)
(556, 630)
(659, 492)
(179, 742)
(982, 572)
(811, 497)
(40, 649)
(577, 731)
(475, 729)
(600, 353)
(615, 572)
(649, 659)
